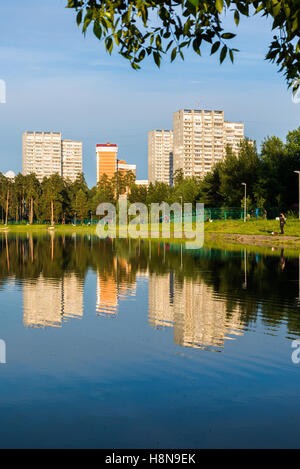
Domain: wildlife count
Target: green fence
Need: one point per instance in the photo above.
(231, 213)
(210, 213)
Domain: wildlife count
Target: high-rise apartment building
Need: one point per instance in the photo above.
(124, 167)
(106, 160)
(42, 153)
(234, 133)
(200, 138)
(71, 159)
(160, 147)
(45, 153)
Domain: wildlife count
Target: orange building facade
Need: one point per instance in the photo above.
(124, 168)
(106, 160)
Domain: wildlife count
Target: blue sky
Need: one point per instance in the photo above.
(57, 79)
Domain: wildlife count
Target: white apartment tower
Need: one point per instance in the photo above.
(234, 133)
(160, 147)
(41, 153)
(45, 153)
(71, 159)
(200, 138)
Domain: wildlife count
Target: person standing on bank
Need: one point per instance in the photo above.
(282, 222)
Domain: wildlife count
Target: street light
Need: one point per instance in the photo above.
(245, 200)
(181, 208)
(298, 172)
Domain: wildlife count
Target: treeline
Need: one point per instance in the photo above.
(270, 178)
(25, 199)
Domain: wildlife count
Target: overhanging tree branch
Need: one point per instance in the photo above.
(127, 25)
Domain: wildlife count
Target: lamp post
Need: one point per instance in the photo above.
(298, 172)
(245, 200)
(181, 207)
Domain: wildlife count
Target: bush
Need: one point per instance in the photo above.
(291, 215)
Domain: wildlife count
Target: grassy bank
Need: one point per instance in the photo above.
(253, 227)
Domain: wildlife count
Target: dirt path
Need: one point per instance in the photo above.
(256, 240)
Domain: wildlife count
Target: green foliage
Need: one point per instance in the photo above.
(270, 181)
(279, 160)
(178, 177)
(53, 198)
(270, 177)
(105, 192)
(158, 193)
(187, 191)
(235, 170)
(32, 191)
(291, 215)
(137, 194)
(260, 202)
(80, 204)
(210, 188)
(180, 24)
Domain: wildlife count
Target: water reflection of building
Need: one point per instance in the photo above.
(114, 286)
(107, 295)
(125, 287)
(161, 310)
(199, 318)
(47, 302)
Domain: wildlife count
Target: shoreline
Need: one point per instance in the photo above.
(262, 240)
(256, 240)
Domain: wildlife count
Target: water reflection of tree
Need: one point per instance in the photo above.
(271, 292)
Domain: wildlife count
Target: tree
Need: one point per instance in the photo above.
(137, 194)
(105, 192)
(77, 205)
(80, 204)
(129, 179)
(2, 194)
(158, 193)
(188, 23)
(32, 192)
(119, 183)
(273, 155)
(53, 197)
(79, 183)
(210, 188)
(236, 169)
(19, 189)
(8, 188)
(278, 182)
(187, 191)
(178, 177)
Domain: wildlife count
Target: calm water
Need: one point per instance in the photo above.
(119, 345)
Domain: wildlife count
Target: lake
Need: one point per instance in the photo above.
(132, 344)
